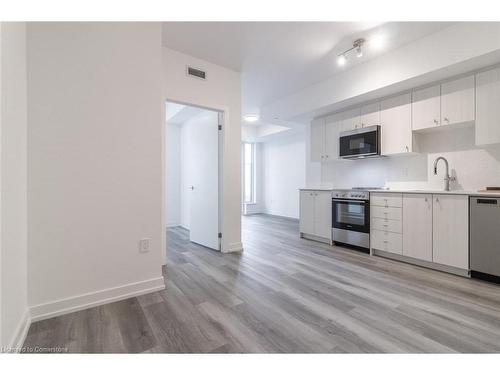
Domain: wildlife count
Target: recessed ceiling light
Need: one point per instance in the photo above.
(377, 42)
(251, 118)
(341, 60)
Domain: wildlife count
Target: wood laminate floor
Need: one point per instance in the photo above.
(286, 294)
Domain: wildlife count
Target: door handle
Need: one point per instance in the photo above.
(191, 187)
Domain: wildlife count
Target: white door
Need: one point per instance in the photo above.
(457, 101)
(395, 122)
(426, 107)
(450, 232)
(417, 226)
(488, 107)
(317, 139)
(370, 115)
(204, 173)
(306, 211)
(323, 214)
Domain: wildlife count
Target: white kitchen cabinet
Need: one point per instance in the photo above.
(351, 119)
(488, 107)
(395, 121)
(317, 146)
(450, 230)
(306, 222)
(426, 107)
(316, 214)
(370, 115)
(323, 214)
(417, 226)
(333, 128)
(457, 101)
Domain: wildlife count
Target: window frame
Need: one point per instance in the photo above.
(252, 173)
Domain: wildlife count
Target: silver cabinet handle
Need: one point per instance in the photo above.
(191, 187)
(446, 119)
(436, 121)
(437, 200)
(407, 149)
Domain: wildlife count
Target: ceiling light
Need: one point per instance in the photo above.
(358, 43)
(377, 42)
(341, 60)
(251, 118)
(359, 53)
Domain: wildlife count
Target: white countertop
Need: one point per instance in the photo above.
(416, 191)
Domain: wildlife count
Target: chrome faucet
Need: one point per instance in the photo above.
(447, 177)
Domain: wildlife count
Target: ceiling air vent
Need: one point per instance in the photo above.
(197, 73)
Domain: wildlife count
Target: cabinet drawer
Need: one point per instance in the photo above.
(386, 199)
(391, 213)
(386, 241)
(394, 226)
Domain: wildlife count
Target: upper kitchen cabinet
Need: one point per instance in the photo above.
(351, 119)
(488, 107)
(457, 101)
(370, 115)
(426, 107)
(395, 122)
(333, 127)
(317, 139)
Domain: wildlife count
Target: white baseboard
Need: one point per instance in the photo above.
(234, 247)
(21, 332)
(100, 297)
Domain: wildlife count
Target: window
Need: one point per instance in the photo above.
(248, 172)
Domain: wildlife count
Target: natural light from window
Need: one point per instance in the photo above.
(248, 172)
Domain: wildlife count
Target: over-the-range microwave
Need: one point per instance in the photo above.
(360, 143)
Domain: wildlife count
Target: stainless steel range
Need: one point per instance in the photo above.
(351, 217)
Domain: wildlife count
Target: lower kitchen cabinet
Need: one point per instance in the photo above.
(450, 230)
(430, 229)
(316, 214)
(417, 226)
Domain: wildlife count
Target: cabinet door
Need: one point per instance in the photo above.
(417, 226)
(323, 214)
(457, 101)
(332, 130)
(351, 119)
(306, 216)
(450, 231)
(395, 121)
(488, 107)
(426, 107)
(370, 115)
(317, 139)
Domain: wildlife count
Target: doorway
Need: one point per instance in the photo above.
(193, 169)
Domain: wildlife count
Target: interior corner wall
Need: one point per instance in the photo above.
(95, 164)
(281, 181)
(14, 313)
(173, 171)
(221, 91)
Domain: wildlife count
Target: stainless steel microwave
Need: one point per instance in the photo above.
(360, 143)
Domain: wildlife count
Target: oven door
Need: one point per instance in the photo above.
(350, 214)
(359, 143)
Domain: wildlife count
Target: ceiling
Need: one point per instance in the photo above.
(279, 58)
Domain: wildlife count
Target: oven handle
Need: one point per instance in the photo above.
(349, 200)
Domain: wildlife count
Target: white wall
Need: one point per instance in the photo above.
(173, 174)
(222, 91)
(94, 163)
(14, 314)
(474, 167)
(284, 161)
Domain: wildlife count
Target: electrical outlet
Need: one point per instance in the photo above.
(144, 245)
